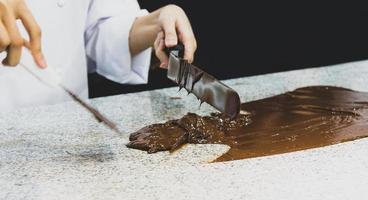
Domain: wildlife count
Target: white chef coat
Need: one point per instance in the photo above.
(74, 33)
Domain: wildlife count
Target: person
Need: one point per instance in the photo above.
(110, 37)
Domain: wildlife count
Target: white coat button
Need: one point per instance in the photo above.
(61, 3)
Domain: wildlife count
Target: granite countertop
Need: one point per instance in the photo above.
(60, 152)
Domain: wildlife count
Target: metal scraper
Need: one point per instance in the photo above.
(204, 86)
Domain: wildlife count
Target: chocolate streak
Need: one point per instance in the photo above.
(302, 119)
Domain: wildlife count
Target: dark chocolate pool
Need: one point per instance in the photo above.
(306, 118)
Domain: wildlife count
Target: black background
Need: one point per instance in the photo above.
(242, 38)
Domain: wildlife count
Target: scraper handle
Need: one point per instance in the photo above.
(177, 50)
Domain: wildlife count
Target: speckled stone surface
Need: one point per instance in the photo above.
(60, 152)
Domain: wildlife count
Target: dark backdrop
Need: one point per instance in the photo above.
(242, 38)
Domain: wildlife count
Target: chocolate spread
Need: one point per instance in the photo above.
(306, 118)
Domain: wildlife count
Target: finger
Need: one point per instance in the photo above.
(187, 37)
(159, 37)
(169, 29)
(190, 46)
(159, 49)
(16, 41)
(4, 37)
(161, 55)
(34, 33)
(188, 51)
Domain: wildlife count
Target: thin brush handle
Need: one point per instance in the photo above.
(98, 116)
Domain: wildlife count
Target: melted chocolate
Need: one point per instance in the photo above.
(302, 119)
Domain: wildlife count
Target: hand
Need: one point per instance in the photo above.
(163, 28)
(175, 26)
(11, 40)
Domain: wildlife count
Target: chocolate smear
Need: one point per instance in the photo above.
(306, 118)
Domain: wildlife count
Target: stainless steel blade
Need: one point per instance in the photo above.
(204, 86)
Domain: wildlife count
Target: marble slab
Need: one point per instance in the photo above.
(60, 152)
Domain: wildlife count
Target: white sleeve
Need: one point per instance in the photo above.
(107, 41)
